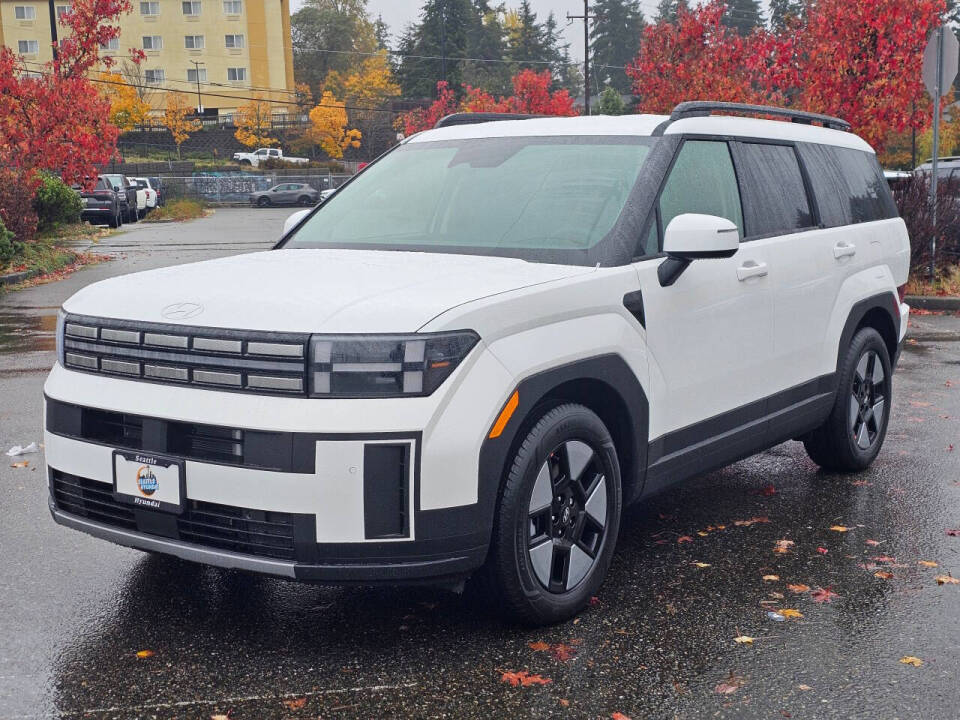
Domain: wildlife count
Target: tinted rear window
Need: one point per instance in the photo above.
(848, 185)
(774, 197)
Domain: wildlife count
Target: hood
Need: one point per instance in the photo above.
(322, 291)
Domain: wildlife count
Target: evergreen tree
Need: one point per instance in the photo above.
(381, 31)
(743, 15)
(487, 45)
(611, 103)
(443, 33)
(667, 10)
(615, 40)
(535, 45)
(782, 11)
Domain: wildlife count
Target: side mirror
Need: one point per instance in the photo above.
(291, 222)
(692, 236)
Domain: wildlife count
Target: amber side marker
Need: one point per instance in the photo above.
(505, 415)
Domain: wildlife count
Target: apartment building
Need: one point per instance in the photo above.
(232, 48)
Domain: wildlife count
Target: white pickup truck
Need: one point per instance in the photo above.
(264, 154)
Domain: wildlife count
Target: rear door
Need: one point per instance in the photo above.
(709, 334)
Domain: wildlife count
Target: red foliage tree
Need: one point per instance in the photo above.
(531, 96)
(51, 116)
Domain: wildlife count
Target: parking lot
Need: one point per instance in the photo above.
(92, 630)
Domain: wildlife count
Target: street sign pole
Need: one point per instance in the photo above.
(941, 58)
(936, 153)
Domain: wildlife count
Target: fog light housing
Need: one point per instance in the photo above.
(368, 366)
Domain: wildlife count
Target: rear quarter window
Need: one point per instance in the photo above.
(848, 185)
(775, 198)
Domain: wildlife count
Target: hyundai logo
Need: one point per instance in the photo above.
(182, 311)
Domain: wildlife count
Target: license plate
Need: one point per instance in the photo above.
(148, 481)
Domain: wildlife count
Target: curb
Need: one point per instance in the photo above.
(14, 278)
(933, 302)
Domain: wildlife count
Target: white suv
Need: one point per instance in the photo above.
(477, 352)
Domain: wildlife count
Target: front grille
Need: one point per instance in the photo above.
(237, 360)
(224, 527)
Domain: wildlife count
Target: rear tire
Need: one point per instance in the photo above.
(305, 201)
(114, 222)
(557, 519)
(853, 434)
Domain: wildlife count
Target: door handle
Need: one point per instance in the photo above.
(751, 269)
(844, 249)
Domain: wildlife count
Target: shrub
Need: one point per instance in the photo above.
(913, 200)
(55, 203)
(16, 205)
(8, 246)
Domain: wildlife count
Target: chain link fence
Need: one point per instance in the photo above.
(235, 188)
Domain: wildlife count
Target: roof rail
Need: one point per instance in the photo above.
(471, 118)
(702, 108)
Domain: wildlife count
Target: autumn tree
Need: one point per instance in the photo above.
(328, 127)
(367, 94)
(127, 109)
(330, 35)
(254, 121)
(176, 118)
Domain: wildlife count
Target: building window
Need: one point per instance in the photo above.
(150, 9)
(152, 42)
(25, 12)
(111, 44)
(236, 74)
(197, 75)
(153, 77)
(193, 42)
(191, 8)
(62, 10)
(28, 47)
(234, 41)
(232, 7)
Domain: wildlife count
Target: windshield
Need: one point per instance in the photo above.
(539, 198)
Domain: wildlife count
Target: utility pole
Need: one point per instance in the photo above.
(443, 40)
(196, 67)
(55, 43)
(586, 17)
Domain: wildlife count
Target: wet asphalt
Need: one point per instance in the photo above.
(657, 642)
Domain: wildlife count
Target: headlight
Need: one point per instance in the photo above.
(61, 322)
(385, 365)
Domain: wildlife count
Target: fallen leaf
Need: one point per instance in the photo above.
(619, 716)
(911, 660)
(823, 595)
(768, 490)
(926, 563)
(22, 464)
(884, 559)
(798, 588)
(594, 600)
(538, 646)
(219, 716)
(743, 640)
(684, 538)
(804, 687)
(771, 578)
(563, 652)
(883, 574)
(953, 533)
(861, 483)
(791, 613)
(783, 546)
(144, 653)
(947, 580)
(702, 564)
(839, 528)
(296, 704)
(564, 702)
(822, 550)
(872, 543)
(730, 685)
(751, 521)
(524, 679)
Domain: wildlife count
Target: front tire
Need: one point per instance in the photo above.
(558, 518)
(853, 434)
(263, 202)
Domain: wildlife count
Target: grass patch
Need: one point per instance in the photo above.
(177, 210)
(42, 255)
(946, 283)
(74, 233)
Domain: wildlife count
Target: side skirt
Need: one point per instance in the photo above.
(739, 433)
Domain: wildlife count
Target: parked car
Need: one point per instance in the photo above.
(286, 194)
(127, 195)
(141, 197)
(499, 336)
(264, 154)
(151, 194)
(157, 184)
(101, 204)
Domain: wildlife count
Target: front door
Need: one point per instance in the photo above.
(709, 334)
